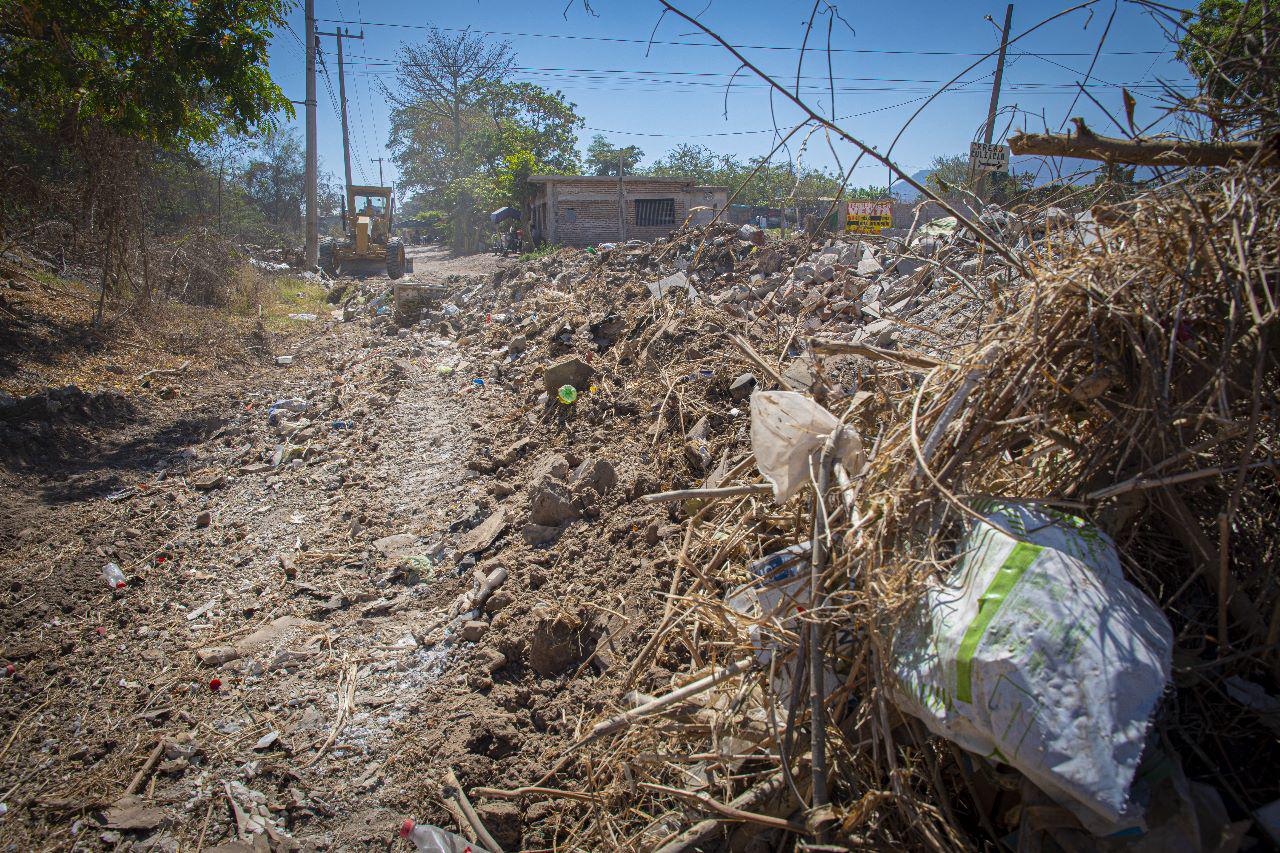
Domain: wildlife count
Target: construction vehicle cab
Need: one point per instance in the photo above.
(367, 245)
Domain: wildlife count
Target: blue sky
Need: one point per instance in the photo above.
(892, 56)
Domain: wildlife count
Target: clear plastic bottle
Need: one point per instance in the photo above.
(433, 839)
(113, 576)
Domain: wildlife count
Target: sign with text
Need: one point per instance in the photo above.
(868, 217)
(988, 158)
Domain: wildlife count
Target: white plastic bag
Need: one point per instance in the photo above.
(1037, 653)
(787, 428)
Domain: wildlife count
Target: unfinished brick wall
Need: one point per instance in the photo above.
(586, 212)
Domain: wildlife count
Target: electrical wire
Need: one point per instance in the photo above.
(616, 40)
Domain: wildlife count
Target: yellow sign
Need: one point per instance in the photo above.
(868, 217)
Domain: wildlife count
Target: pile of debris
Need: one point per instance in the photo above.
(900, 469)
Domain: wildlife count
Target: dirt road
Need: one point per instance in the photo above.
(290, 540)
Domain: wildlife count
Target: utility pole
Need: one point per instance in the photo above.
(342, 100)
(311, 253)
(995, 94)
(378, 160)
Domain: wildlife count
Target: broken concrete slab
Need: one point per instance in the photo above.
(483, 535)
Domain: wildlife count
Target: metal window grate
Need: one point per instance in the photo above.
(655, 211)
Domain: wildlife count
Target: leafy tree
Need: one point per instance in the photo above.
(127, 86)
(1223, 46)
(949, 174)
(162, 72)
(273, 181)
(465, 139)
(767, 185)
(603, 158)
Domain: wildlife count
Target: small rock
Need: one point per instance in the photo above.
(494, 660)
(217, 655)
(869, 266)
(751, 234)
(517, 344)
(473, 630)
(1056, 217)
(502, 819)
(207, 482)
(742, 386)
(595, 473)
(204, 519)
(539, 534)
(498, 600)
(552, 505)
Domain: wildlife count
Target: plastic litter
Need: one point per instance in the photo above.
(1036, 652)
(787, 429)
(433, 839)
(114, 577)
(284, 359)
(567, 395)
(305, 317)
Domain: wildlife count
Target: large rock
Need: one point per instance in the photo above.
(573, 371)
(869, 266)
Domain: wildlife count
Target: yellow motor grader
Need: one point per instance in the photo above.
(368, 246)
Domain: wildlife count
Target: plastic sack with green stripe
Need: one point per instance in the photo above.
(1037, 653)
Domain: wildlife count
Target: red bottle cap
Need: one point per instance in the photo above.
(406, 828)
(214, 684)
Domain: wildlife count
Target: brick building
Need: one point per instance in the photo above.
(580, 211)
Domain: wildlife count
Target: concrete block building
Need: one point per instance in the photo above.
(583, 210)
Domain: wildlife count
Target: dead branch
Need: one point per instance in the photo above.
(1144, 152)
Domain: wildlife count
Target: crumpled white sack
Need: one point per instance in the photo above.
(787, 429)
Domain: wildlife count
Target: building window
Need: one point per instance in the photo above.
(570, 215)
(655, 211)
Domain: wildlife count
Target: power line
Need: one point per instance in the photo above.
(617, 40)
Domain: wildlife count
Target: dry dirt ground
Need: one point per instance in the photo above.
(277, 660)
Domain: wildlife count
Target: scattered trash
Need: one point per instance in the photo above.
(305, 317)
(432, 839)
(787, 430)
(567, 394)
(284, 360)
(1038, 651)
(114, 577)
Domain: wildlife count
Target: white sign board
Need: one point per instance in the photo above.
(988, 158)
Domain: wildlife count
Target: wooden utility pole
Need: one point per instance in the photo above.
(341, 34)
(378, 160)
(311, 252)
(995, 94)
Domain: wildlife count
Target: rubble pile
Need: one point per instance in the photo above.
(698, 544)
(1040, 376)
